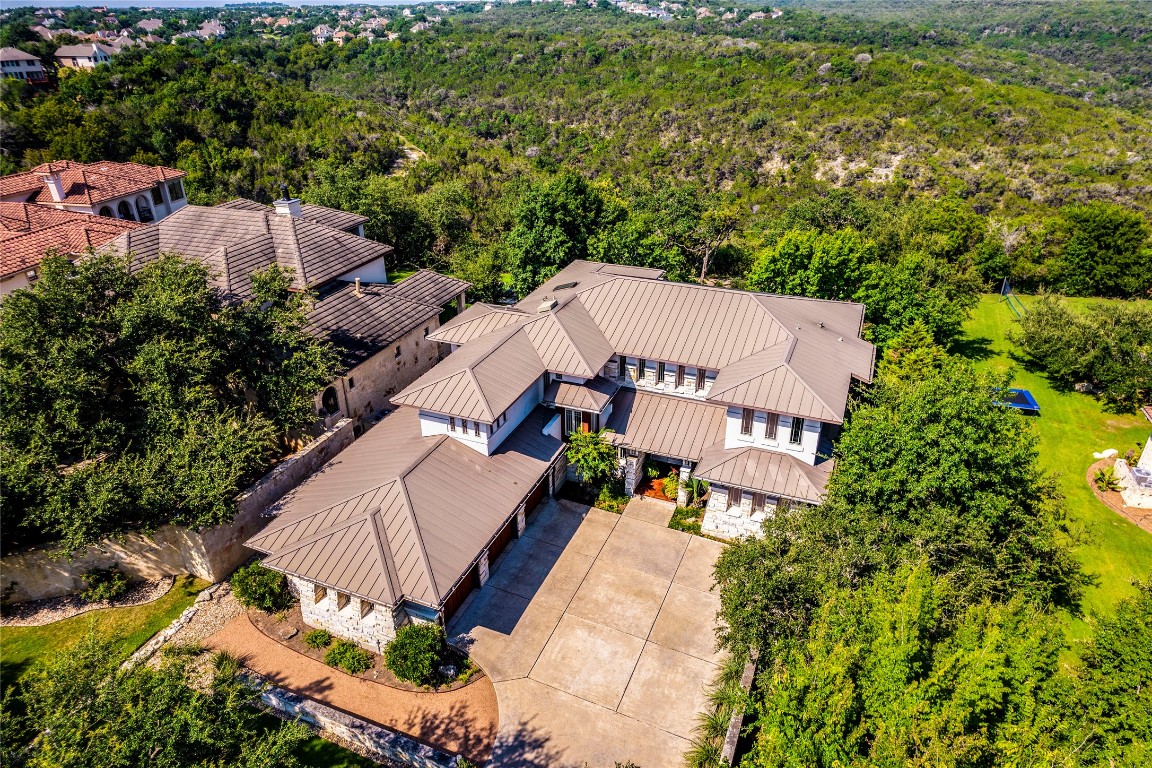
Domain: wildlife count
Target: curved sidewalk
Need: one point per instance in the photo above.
(462, 721)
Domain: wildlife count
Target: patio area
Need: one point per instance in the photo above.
(597, 631)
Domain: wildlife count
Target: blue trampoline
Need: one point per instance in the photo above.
(1021, 400)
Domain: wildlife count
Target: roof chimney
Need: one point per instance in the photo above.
(54, 183)
(287, 206)
(356, 290)
(546, 305)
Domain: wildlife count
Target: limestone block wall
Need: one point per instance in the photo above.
(731, 522)
(209, 553)
(371, 631)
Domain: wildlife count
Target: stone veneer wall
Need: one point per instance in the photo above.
(209, 553)
(371, 632)
(732, 522)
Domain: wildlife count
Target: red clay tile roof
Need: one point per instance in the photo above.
(86, 183)
(27, 232)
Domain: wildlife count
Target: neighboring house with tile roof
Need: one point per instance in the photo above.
(746, 390)
(379, 329)
(128, 191)
(83, 55)
(20, 65)
(28, 232)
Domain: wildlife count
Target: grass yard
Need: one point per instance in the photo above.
(1071, 426)
(23, 646)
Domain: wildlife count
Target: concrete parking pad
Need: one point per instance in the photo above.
(677, 626)
(667, 689)
(645, 547)
(655, 511)
(622, 598)
(589, 660)
(597, 632)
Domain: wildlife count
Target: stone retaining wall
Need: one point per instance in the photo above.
(210, 553)
(373, 738)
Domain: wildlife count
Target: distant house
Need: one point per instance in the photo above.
(745, 390)
(379, 329)
(150, 25)
(17, 64)
(84, 56)
(211, 29)
(28, 232)
(322, 34)
(343, 36)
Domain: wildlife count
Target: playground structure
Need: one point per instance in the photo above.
(1007, 295)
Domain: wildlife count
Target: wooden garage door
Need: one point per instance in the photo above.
(537, 496)
(507, 533)
(470, 582)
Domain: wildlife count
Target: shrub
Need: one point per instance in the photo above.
(103, 584)
(612, 498)
(318, 638)
(258, 587)
(1105, 480)
(349, 657)
(416, 652)
(687, 519)
(671, 486)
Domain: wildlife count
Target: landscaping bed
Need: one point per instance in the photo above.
(288, 629)
(38, 613)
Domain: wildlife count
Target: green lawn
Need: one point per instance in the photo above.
(23, 646)
(396, 275)
(1071, 427)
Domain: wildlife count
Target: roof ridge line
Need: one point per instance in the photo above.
(380, 534)
(420, 541)
(312, 538)
(808, 387)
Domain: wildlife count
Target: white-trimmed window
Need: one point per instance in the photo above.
(771, 425)
(451, 423)
(746, 417)
(796, 435)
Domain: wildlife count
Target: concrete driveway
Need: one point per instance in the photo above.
(597, 631)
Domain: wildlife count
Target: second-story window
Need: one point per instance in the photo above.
(175, 190)
(157, 196)
(771, 426)
(746, 421)
(797, 432)
(679, 376)
(660, 371)
(641, 369)
(451, 423)
(476, 428)
(700, 373)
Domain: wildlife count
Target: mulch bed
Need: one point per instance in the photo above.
(1114, 501)
(654, 489)
(37, 613)
(281, 630)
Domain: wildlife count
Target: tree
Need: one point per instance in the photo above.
(593, 457)
(883, 677)
(809, 263)
(132, 399)
(1103, 249)
(79, 709)
(553, 223)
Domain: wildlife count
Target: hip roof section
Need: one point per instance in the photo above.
(770, 472)
(86, 183)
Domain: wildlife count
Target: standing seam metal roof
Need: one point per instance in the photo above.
(776, 474)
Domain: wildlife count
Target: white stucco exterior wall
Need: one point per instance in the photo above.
(806, 451)
(437, 423)
(372, 272)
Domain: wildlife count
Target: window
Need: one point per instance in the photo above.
(365, 608)
(124, 211)
(661, 369)
(330, 401)
(797, 432)
(476, 428)
(622, 368)
(351, 382)
(157, 196)
(106, 211)
(342, 600)
(641, 369)
(700, 379)
(452, 423)
(425, 333)
(175, 190)
(397, 351)
(571, 421)
(746, 421)
(679, 376)
(319, 594)
(757, 502)
(771, 426)
(735, 496)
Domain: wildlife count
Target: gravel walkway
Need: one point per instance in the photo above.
(462, 721)
(37, 613)
(215, 607)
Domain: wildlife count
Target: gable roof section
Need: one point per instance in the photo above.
(480, 380)
(319, 214)
(665, 425)
(28, 232)
(361, 324)
(397, 516)
(777, 474)
(568, 341)
(476, 321)
(428, 287)
(765, 380)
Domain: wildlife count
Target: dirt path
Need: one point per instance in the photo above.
(462, 721)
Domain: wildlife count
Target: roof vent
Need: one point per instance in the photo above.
(547, 305)
(565, 286)
(821, 323)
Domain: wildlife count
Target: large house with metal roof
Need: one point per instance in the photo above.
(380, 330)
(742, 389)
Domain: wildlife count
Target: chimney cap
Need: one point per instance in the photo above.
(547, 304)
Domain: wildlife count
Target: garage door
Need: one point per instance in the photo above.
(507, 533)
(470, 582)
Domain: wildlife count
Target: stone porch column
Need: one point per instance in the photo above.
(682, 489)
